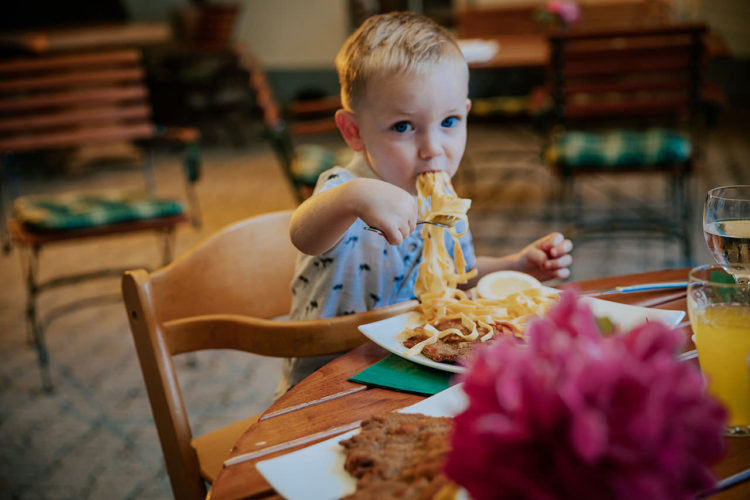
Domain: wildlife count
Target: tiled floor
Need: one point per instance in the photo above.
(95, 438)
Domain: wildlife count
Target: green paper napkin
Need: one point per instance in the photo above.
(721, 277)
(400, 374)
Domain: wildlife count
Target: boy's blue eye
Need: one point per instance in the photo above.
(402, 127)
(450, 122)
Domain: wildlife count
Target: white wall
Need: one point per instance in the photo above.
(294, 34)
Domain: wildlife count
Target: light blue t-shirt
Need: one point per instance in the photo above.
(361, 272)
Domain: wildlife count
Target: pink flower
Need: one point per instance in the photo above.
(567, 10)
(572, 414)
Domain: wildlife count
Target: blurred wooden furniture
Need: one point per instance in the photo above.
(521, 18)
(51, 106)
(522, 39)
(304, 410)
(627, 101)
(289, 133)
(99, 36)
(224, 293)
(196, 79)
(206, 26)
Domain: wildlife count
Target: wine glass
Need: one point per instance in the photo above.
(726, 226)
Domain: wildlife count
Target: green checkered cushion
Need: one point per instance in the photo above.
(310, 160)
(78, 211)
(619, 148)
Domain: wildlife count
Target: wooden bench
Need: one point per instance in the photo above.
(62, 103)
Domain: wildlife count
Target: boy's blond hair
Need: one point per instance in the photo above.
(398, 42)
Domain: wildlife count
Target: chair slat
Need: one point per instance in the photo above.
(108, 76)
(69, 61)
(599, 86)
(617, 66)
(75, 97)
(76, 138)
(628, 109)
(75, 117)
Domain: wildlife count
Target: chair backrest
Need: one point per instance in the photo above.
(223, 294)
(73, 100)
(303, 118)
(641, 74)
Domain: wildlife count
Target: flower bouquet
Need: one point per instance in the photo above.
(575, 414)
(558, 13)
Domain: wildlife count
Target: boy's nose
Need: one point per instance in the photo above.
(429, 147)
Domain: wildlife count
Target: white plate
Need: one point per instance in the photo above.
(317, 472)
(386, 332)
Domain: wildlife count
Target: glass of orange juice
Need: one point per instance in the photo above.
(719, 312)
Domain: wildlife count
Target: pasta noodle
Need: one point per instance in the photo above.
(439, 275)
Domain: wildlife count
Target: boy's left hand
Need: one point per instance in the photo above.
(547, 258)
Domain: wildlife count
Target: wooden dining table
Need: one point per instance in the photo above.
(531, 50)
(320, 406)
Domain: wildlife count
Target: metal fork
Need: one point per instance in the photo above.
(439, 224)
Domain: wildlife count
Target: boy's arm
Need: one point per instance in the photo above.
(322, 219)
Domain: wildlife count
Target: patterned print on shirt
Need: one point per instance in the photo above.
(313, 305)
(322, 262)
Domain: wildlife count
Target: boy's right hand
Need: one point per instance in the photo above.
(386, 207)
(321, 220)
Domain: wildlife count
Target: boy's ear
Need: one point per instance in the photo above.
(349, 129)
(468, 105)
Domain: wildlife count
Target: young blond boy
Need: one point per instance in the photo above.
(404, 91)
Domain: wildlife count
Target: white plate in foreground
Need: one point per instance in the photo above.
(317, 472)
(386, 332)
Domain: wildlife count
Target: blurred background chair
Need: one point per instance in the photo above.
(627, 101)
(78, 111)
(224, 293)
(304, 137)
(208, 80)
(196, 80)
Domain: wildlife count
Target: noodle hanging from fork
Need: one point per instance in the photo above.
(439, 276)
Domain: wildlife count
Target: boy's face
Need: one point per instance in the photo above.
(410, 124)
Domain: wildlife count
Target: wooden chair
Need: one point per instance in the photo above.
(53, 105)
(627, 101)
(196, 79)
(290, 131)
(224, 293)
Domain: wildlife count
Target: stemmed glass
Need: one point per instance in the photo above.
(726, 226)
(719, 303)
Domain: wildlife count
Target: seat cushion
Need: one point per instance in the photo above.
(500, 106)
(310, 160)
(78, 211)
(213, 448)
(619, 148)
